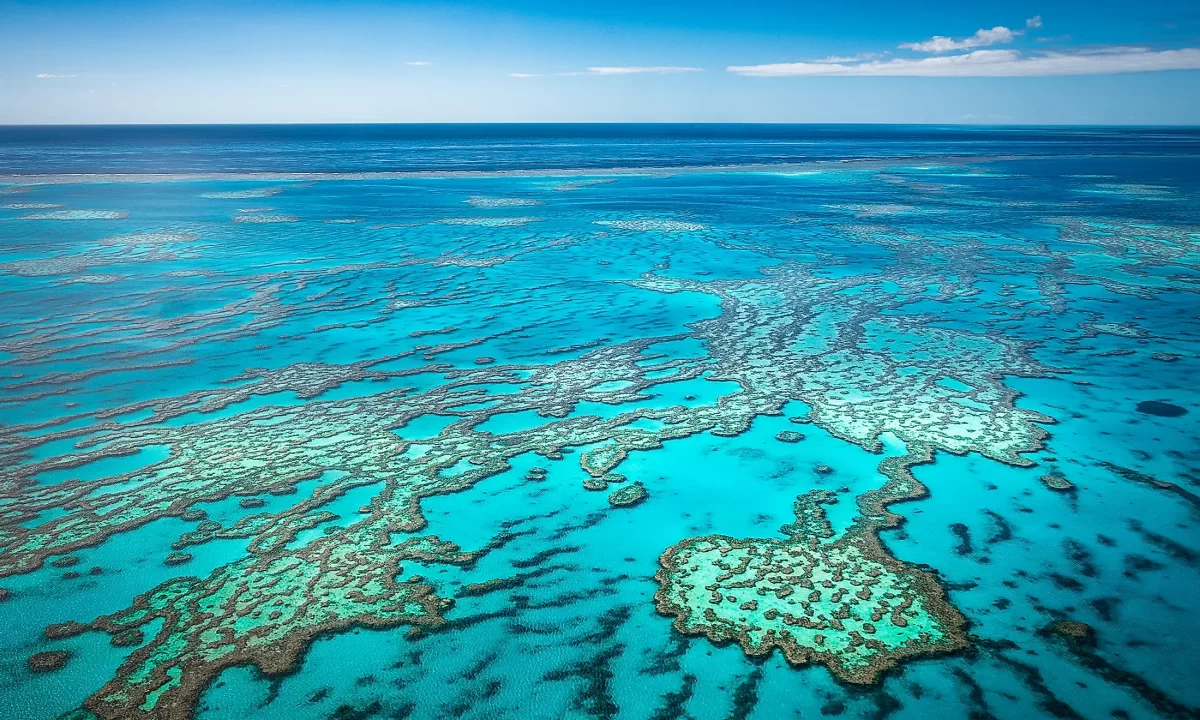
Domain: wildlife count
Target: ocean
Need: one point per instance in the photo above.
(599, 421)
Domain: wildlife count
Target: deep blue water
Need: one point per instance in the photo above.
(394, 148)
(249, 390)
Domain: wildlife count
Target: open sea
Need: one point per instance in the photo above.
(599, 421)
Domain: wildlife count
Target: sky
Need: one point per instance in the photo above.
(1020, 62)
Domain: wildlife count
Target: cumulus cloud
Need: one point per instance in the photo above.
(981, 38)
(48, 76)
(994, 63)
(1034, 22)
(637, 70)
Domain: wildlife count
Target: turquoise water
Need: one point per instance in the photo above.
(364, 402)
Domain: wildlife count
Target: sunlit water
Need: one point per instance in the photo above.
(259, 425)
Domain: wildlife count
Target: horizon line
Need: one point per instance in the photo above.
(598, 122)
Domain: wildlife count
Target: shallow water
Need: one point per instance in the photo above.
(312, 449)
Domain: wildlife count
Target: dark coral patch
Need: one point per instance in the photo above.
(1161, 409)
(63, 630)
(177, 558)
(1057, 483)
(127, 638)
(48, 661)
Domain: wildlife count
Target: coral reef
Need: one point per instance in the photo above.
(875, 354)
(1057, 483)
(629, 495)
(845, 603)
(48, 661)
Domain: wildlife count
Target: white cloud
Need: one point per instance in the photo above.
(994, 63)
(638, 70)
(47, 76)
(418, 63)
(850, 58)
(1034, 22)
(981, 38)
(524, 75)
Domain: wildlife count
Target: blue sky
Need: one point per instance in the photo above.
(1047, 62)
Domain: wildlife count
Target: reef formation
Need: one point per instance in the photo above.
(845, 603)
(874, 352)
